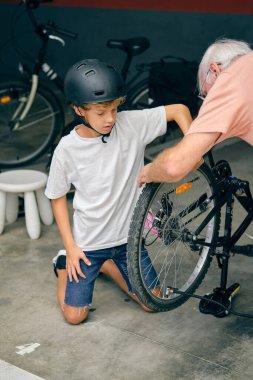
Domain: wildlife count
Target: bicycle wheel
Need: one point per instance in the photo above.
(161, 252)
(138, 96)
(36, 132)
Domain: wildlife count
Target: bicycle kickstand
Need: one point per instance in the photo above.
(218, 302)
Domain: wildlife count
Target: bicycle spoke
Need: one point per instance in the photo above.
(23, 141)
(38, 121)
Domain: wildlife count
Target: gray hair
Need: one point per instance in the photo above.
(223, 51)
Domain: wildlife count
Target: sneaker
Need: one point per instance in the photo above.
(59, 261)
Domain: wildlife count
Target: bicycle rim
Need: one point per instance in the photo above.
(138, 97)
(35, 133)
(161, 253)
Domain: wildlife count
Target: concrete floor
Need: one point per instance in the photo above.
(119, 341)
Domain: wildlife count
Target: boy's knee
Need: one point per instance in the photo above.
(75, 315)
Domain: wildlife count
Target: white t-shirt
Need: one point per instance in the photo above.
(104, 176)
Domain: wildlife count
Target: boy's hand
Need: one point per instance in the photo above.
(74, 255)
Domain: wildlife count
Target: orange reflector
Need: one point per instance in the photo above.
(184, 187)
(5, 99)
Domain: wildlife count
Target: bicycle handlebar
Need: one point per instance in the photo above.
(51, 27)
(35, 3)
(44, 30)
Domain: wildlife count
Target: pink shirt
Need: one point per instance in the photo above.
(228, 107)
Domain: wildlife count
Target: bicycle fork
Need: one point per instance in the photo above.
(25, 105)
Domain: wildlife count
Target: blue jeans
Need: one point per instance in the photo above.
(80, 294)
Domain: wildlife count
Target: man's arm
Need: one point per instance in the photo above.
(74, 253)
(174, 163)
(180, 114)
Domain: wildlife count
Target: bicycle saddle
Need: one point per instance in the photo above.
(132, 46)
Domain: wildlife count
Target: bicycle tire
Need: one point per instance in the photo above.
(37, 131)
(163, 220)
(138, 96)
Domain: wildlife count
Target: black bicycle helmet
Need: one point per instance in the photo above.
(93, 81)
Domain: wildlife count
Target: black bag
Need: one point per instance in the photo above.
(174, 80)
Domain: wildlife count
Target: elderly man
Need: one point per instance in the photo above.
(225, 80)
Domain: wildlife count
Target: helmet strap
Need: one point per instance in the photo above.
(81, 120)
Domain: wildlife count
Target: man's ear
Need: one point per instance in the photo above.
(215, 68)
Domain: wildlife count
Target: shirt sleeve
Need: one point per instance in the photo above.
(58, 183)
(223, 109)
(148, 123)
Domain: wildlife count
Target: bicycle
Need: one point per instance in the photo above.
(179, 225)
(32, 116)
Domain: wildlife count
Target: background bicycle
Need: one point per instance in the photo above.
(32, 112)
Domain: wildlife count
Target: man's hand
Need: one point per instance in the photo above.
(143, 176)
(74, 255)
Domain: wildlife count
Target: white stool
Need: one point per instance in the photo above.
(31, 183)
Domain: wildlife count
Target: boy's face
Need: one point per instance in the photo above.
(102, 118)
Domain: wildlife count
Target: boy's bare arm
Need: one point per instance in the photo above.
(60, 209)
(180, 114)
(74, 253)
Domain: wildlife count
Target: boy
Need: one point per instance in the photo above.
(101, 157)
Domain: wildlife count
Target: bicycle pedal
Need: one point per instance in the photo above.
(207, 306)
(233, 290)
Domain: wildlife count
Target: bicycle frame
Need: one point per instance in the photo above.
(43, 32)
(229, 189)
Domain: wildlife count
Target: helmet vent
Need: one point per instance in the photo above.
(81, 66)
(90, 73)
(99, 93)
